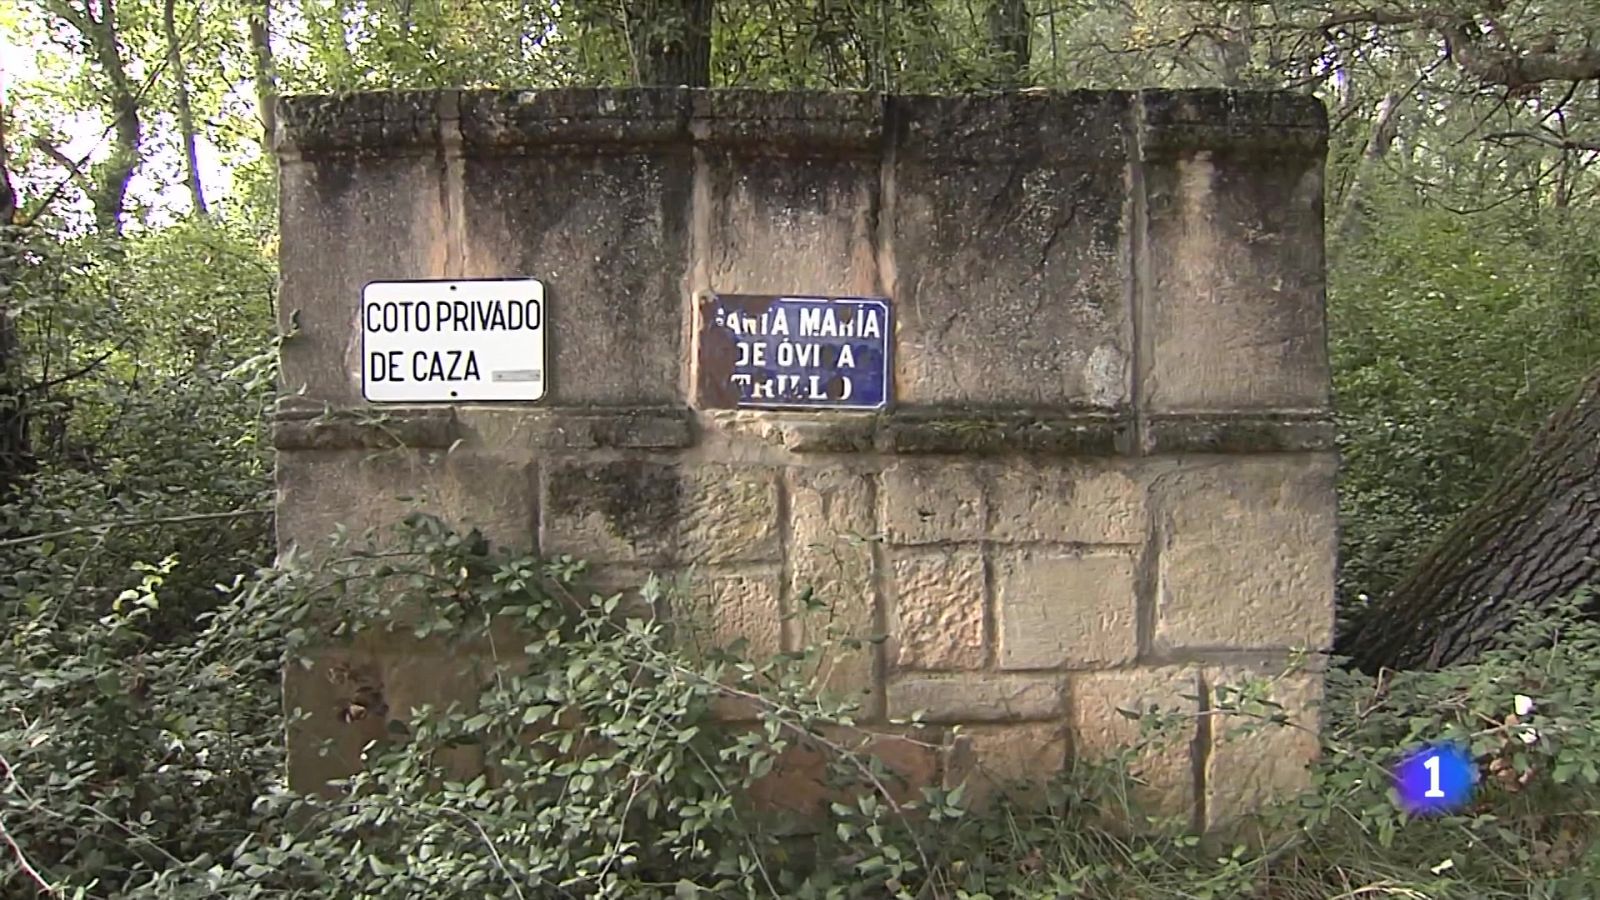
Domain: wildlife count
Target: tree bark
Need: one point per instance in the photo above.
(1011, 37)
(266, 70)
(1347, 224)
(671, 41)
(15, 455)
(1533, 539)
(180, 81)
(110, 177)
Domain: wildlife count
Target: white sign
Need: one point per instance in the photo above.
(452, 341)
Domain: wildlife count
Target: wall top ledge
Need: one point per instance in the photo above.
(1031, 123)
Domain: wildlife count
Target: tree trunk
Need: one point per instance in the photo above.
(1347, 224)
(1010, 37)
(15, 457)
(110, 177)
(672, 41)
(180, 81)
(266, 72)
(1534, 538)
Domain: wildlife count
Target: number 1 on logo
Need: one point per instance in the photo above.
(1432, 765)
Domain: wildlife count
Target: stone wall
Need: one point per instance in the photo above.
(1105, 479)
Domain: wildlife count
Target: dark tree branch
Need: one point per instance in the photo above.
(1559, 142)
(185, 109)
(74, 168)
(1514, 69)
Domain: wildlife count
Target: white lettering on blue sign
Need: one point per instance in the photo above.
(808, 352)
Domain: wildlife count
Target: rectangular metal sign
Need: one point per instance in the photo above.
(453, 341)
(788, 352)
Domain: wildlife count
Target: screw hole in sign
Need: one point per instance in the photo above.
(1439, 778)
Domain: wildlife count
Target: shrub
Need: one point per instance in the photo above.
(140, 771)
(1452, 338)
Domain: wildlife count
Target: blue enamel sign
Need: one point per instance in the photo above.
(781, 352)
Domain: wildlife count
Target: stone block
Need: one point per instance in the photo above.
(976, 698)
(1015, 760)
(1005, 433)
(832, 571)
(649, 513)
(938, 610)
(795, 125)
(608, 234)
(926, 502)
(330, 249)
(724, 611)
(625, 511)
(791, 226)
(1070, 503)
(801, 785)
(320, 491)
(415, 428)
(346, 699)
(1253, 765)
(630, 582)
(1060, 609)
(1244, 125)
(536, 431)
(1165, 768)
(1234, 302)
(1247, 549)
(1019, 258)
(730, 514)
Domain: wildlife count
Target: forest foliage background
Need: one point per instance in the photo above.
(137, 266)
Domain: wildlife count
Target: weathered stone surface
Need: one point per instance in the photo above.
(930, 502)
(1070, 504)
(1234, 303)
(577, 120)
(397, 121)
(416, 428)
(608, 236)
(987, 535)
(1009, 759)
(731, 515)
(779, 226)
(318, 492)
(791, 124)
(539, 429)
(330, 250)
(1250, 765)
(1236, 433)
(1247, 553)
(629, 583)
(916, 431)
(831, 567)
(1244, 124)
(937, 612)
(801, 786)
(625, 511)
(348, 697)
(1099, 731)
(1059, 609)
(733, 611)
(792, 227)
(937, 432)
(976, 698)
(1036, 232)
(647, 513)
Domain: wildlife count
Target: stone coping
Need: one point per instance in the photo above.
(1024, 124)
(900, 432)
